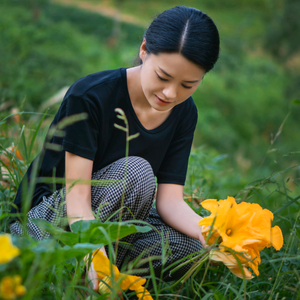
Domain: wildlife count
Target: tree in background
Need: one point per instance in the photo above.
(283, 29)
(282, 40)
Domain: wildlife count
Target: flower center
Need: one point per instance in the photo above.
(228, 231)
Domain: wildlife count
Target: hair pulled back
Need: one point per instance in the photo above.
(187, 31)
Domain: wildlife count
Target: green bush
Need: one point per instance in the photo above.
(40, 56)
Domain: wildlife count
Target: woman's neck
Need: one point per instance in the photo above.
(149, 117)
(135, 90)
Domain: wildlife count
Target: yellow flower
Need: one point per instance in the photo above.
(225, 219)
(11, 287)
(261, 222)
(240, 225)
(231, 263)
(7, 250)
(211, 236)
(103, 268)
(245, 228)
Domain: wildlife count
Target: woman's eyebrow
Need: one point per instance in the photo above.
(191, 81)
(188, 81)
(165, 72)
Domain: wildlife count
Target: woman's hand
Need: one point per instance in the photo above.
(201, 238)
(92, 276)
(91, 272)
(176, 212)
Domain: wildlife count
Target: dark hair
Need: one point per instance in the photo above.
(185, 30)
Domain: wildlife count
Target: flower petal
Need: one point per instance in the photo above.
(7, 250)
(237, 271)
(131, 282)
(11, 287)
(231, 263)
(103, 287)
(221, 256)
(102, 265)
(253, 258)
(142, 293)
(276, 238)
(211, 205)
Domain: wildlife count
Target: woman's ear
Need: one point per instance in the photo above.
(143, 52)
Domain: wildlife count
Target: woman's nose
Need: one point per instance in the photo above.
(170, 92)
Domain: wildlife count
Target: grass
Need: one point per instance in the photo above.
(43, 52)
(241, 104)
(56, 262)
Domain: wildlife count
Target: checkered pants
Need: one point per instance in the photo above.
(163, 241)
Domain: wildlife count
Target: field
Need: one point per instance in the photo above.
(246, 143)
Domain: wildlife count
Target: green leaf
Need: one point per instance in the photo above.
(87, 246)
(67, 238)
(91, 231)
(54, 252)
(92, 297)
(82, 226)
(36, 132)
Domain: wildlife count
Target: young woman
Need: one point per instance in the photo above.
(179, 47)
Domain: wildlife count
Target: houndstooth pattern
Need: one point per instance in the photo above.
(165, 242)
(138, 194)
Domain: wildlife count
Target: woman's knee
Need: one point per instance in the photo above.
(133, 168)
(139, 173)
(134, 174)
(184, 250)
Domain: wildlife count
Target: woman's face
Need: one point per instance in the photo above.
(168, 79)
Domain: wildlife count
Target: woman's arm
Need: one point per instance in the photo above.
(176, 212)
(78, 199)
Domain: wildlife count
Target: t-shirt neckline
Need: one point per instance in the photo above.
(162, 126)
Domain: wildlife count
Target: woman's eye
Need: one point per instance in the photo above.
(163, 79)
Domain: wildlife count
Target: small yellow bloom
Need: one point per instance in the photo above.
(11, 287)
(103, 268)
(7, 250)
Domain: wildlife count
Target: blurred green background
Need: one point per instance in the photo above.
(247, 137)
(249, 110)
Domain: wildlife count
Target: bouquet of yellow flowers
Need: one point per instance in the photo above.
(240, 231)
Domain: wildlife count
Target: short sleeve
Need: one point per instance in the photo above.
(174, 166)
(81, 136)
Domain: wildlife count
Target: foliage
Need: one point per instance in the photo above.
(246, 143)
(209, 173)
(42, 54)
(282, 34)
(46, 47)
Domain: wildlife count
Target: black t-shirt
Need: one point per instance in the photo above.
(166, 147)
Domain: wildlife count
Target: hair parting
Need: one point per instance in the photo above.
(183, 38)
(185, 30)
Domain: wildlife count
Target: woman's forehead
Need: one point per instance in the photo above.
(176, 65)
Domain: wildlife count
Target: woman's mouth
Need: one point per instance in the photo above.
(162, 102)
